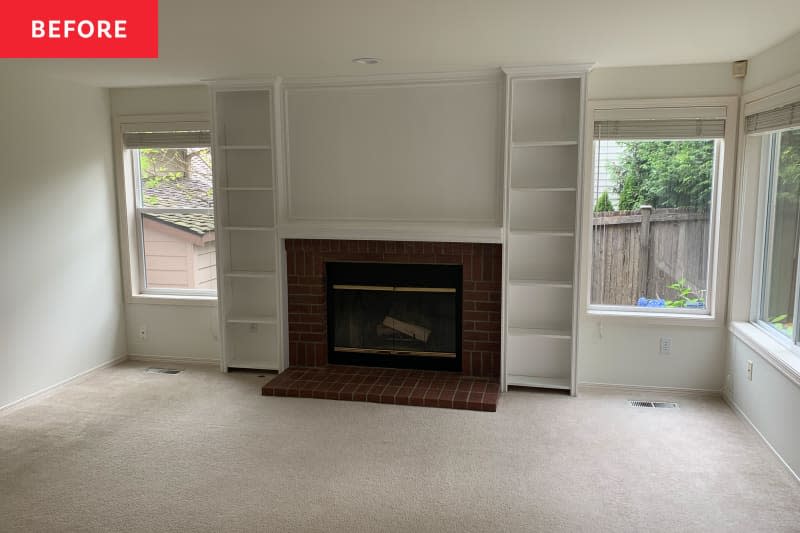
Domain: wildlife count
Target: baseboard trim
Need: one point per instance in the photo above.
(675, 391)
(85, 373)
(736, 409)
(171, 359)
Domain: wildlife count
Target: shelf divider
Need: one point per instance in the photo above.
(244, 147)
(544, 189)
(537, 144)
(539, 382)
(246, 188)
(536, 332)
(559, 284)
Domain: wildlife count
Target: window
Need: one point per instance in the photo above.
(169, 174)
(781, 180)
(656, 177)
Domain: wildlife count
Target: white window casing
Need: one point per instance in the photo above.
(673, 119)
(131, 133)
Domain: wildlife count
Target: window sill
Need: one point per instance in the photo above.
(192, 301)
(655, 318)
(786, 359)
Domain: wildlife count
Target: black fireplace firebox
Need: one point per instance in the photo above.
(394, 315)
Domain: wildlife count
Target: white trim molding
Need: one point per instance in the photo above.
(574, 70)
(173, 359)
(772, 96)
(393, 80)
(382, 231)
(726, 107)
(347, 225)
(128, 236)
(77, 377)
(785, 359)
(744, 418)
(660, 392)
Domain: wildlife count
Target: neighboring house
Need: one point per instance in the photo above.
(180, 248)
(606, 153)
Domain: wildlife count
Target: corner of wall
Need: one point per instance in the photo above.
(774, 64)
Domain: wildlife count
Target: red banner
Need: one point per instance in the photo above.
(79, 29)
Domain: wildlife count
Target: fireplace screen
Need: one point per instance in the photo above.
(395, 315)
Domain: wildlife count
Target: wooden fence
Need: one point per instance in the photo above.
(640, 253)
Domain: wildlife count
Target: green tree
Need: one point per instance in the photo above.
(629, 196)
(664, 174)
(789, 167)
(167, 167)
(603, 203)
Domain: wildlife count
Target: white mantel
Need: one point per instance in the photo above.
(389, 231)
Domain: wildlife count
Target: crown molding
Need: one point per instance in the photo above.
(547, 71)
(395, 80)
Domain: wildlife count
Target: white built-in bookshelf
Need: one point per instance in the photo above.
(543, 162)
(539, 225)
(248, 257)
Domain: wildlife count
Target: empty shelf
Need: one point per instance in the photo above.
(551, 233)
(552, 333)
(562, 284)
(544, 189)
(535, 144)
(537, 382)
(251, 364)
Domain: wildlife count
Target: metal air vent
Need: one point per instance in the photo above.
(660, 405)
(155, 370)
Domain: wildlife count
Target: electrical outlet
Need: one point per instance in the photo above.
(749, 370)
(143, 332)
(253, 328)
(665, 345)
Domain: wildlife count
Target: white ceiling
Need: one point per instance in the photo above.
(204, 39)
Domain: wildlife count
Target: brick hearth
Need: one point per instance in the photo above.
(305, 266)
(387, 385)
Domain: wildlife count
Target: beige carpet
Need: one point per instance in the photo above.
(202, 451)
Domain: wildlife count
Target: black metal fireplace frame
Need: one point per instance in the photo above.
(398, 275)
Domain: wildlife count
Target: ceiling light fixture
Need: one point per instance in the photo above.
(367, 60)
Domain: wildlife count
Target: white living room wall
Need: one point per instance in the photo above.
(404, 151)
(62, 309)
(625, 351)
(670, 81)
(771, 399)
(610, 351)
(774, 64)
(189, 331)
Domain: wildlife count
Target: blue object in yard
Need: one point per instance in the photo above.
(699, 304)
(650, 302)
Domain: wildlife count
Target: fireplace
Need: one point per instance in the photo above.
(394, 315)
(478, 341)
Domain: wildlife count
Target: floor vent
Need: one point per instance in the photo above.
(660, 405)
(154, 370)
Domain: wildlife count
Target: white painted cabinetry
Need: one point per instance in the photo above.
(542, 188)
(249, 259)
(257, 206)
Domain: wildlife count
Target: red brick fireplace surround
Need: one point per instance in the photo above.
(482, 263)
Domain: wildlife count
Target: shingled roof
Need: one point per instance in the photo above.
(193, 190)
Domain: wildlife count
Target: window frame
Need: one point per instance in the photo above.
(721, 211)
(769, 165)
(131, 212)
